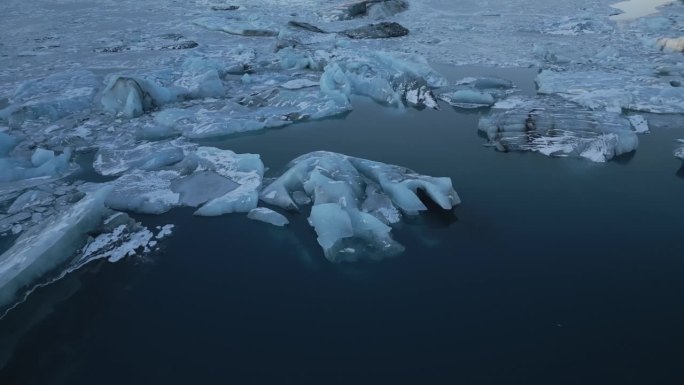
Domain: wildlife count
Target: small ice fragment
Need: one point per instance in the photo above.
(267, 215)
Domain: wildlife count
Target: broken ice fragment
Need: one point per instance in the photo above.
(267, 215)
(383, 30)
(44, 247)
(639, 124)
(354, 200)
(679, 153)
(201, 187)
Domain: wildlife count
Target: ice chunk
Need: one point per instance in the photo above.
(267, 215)
(43, 248)
(149, 156)
(235, 27)
(273, 107)
(145, 192)
(246, 170)
(354, 201)
(555, 127)
(131, 97)
(201, 187)
(476, 92)
(468, 98)
(679, 153)
(639, 124)
(383, 30)
(52, 98)
(17, 169)
(7, 143)
(387, 79)
(299, 83)
(30, 199)
(41, 156)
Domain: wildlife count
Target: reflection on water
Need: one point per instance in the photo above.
(634, 9)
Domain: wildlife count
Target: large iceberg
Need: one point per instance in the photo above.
(556, 127)
(355, 201)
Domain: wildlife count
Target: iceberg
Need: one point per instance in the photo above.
(679, 152)
(355, 201)
(555, 127)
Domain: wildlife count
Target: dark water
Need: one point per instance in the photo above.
(552, 271)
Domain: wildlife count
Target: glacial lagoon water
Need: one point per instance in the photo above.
(552, 271)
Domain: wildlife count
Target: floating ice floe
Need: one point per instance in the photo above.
(476, 92)
(388, 79)
(51, 98)
(42, 163)
(383, 30)
(555, 127)
(374, 9)
(614, 91)
(679, 153)
(355, 201)
(53, 243)
(217, 181)
(63, 243)
(235, 26)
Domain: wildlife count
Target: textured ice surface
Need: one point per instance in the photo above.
(679, 153)
(555, 127)
(267, 215)
(476, 92)
(614, 91)
(355, 200)
(115, 160)
(46, 246)
(219, 181)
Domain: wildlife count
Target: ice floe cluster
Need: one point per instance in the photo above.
(130, 92)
